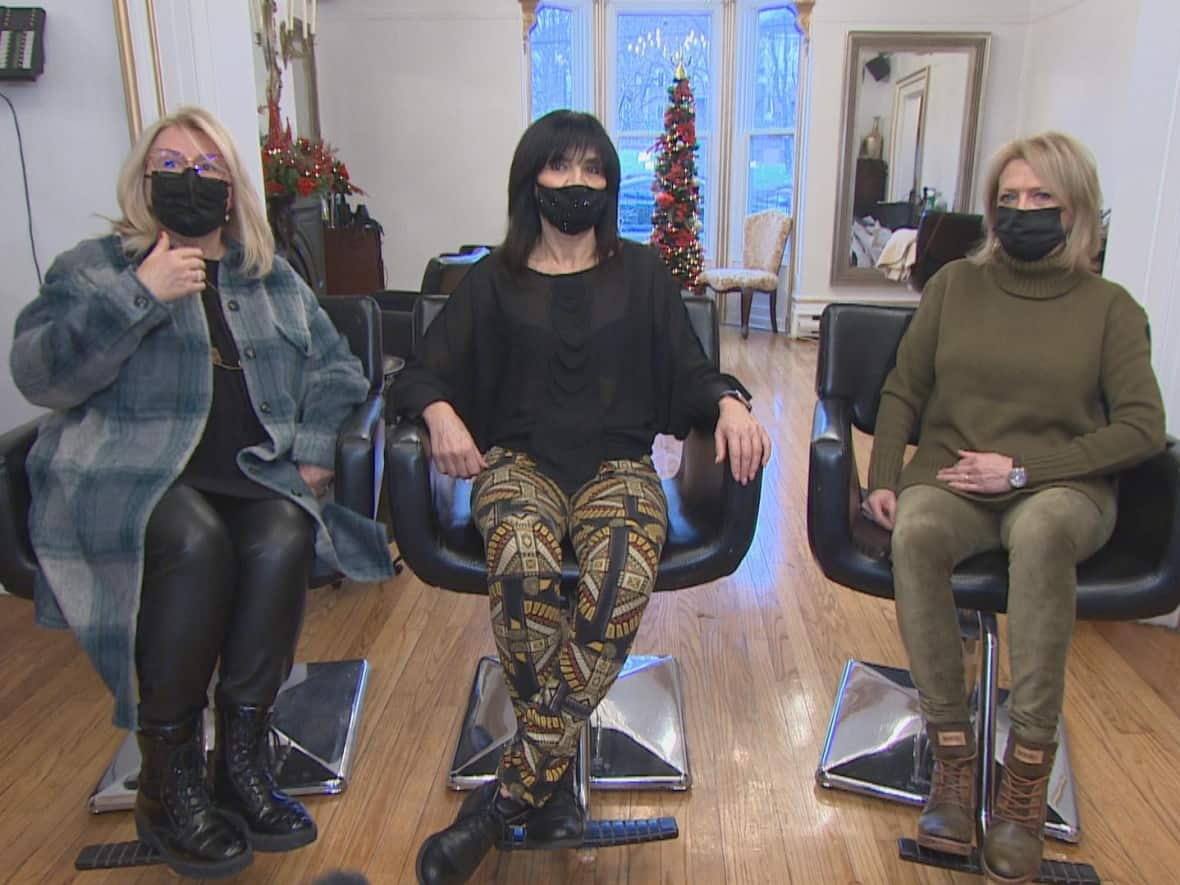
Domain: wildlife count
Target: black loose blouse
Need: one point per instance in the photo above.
(232, 424)
(572, 369)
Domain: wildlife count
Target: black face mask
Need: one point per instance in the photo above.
(1029, 234)
(189, 204)
(572, 209)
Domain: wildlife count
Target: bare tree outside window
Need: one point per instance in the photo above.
(647, 49)
(771, 173)
(551, 50)
(643, 56)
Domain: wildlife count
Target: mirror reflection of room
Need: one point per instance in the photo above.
(909, 121)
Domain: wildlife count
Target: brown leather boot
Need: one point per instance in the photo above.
(947, 822)
(1012, 844)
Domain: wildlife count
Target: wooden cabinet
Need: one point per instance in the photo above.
(869, 186)
(352, 258)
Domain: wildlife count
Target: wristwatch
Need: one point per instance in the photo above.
(739, 396)
(1017, 476)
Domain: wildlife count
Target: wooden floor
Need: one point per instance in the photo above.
(762, 652)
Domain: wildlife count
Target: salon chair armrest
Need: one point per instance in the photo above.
(418, 498)
(706, 487)
(850, 549)
(18, 564)
(360, 457)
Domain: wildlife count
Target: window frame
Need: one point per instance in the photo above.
(582, 54)
(710, 217)
(744, 131)
(734, 23)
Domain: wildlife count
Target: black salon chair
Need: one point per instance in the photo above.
(636, 738)
(443, 272)
(894, 215)
(942, 238)
(875, 745)
(317, 712)
(397, 334)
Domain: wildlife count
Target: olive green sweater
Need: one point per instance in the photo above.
(1028, 359)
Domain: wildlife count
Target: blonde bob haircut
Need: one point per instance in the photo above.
(247, 222)
(1068, 172)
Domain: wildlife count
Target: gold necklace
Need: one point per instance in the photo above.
(222, 364)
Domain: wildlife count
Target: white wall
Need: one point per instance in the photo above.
(74, 126)
(424, 100)
(1006, 20)
(1144, 190)
(207, 59)
(1079, 57)
(1113, 81)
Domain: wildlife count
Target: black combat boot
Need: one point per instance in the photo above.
(173, 810)
(450, 856)
(244, 784)
(561, 821)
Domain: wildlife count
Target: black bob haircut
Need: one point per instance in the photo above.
(553, 136)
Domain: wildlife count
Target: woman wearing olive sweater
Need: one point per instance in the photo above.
(1031, 379)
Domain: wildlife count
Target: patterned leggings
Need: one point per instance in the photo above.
(559, 666)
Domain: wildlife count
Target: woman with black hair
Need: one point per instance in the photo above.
(546, 378)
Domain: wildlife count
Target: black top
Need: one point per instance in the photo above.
(232, 424)
(572, 369)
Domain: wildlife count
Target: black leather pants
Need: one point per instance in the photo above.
(224, 578)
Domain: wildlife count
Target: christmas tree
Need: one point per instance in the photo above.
(676, 221)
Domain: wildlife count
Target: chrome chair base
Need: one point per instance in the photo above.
(316, 723)
(637, 734)
(876, 744)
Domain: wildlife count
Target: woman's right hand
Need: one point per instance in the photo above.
(451, 445)
(171, 274)
(881, 507)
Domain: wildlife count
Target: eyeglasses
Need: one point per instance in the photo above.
(166, 160)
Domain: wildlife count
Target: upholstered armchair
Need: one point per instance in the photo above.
(764, 241)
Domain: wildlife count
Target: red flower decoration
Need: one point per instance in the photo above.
(301, 167)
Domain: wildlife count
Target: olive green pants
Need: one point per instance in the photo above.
(1046, 533)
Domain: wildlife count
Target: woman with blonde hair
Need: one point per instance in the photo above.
(1030, 379)
(178, 483)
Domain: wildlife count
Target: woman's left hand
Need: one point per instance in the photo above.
(982, 473)
(740, 437)
(318, 479)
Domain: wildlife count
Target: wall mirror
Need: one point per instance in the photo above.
(911, 120)
(284, 67)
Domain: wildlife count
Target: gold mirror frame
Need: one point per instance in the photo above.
(127, 65)
(977, 46)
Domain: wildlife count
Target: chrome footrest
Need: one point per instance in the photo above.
(876, 746)
(316, 723)
(637, 733)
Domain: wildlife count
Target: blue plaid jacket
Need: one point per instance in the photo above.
(129, 381)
